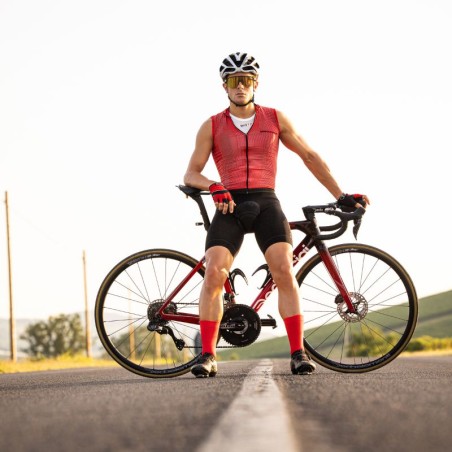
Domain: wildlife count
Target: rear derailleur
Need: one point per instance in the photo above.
(159, 325)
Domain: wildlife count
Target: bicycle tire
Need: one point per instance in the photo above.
(127, 298)
(386, 316)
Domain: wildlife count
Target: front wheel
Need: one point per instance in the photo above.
(127, 319)
(385, 316)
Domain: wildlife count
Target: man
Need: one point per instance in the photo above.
(243, 141)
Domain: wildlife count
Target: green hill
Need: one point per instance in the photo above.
(435, 316)
(435, 320)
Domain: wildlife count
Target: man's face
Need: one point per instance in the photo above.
(240, 87)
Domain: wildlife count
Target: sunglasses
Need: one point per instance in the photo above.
(245, 80)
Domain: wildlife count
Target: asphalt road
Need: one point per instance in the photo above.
(405, 406)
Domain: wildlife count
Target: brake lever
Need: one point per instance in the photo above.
(357, 225)
(356, 216)
(357, 221)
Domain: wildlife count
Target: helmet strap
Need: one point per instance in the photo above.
(242, 105)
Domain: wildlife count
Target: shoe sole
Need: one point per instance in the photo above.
(305, 371)
(204, 375)
(201, 373)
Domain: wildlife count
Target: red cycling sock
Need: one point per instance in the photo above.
(209, 335)
(294, 327)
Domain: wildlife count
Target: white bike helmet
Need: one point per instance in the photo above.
(238, 62)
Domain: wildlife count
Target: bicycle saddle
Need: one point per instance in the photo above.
(246, 213)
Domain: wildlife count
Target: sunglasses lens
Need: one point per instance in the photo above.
(233, 82)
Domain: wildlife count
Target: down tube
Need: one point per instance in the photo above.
(267, 290)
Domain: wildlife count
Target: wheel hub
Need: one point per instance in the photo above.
(359, 303)
(153, 309)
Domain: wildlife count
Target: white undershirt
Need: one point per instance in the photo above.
(243, 125)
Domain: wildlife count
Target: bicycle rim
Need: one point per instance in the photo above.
(126, 307)
(386, 309)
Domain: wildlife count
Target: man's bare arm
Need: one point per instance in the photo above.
(203, 147)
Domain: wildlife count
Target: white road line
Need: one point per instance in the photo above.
(256, 420)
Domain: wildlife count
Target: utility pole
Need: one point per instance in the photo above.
(87, 322)
(12, 322)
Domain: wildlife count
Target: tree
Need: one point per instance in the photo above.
(60, 335)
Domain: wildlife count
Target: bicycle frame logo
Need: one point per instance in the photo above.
(271, 286)
(298, 257)
(267, 291)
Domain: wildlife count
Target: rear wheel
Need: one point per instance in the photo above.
(126, 313)
(385, 314)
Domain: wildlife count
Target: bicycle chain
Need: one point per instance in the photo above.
(227, 305)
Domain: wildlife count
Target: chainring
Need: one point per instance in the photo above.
(240, 325)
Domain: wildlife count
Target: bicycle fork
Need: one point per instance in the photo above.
(335, 275)
(303, 248)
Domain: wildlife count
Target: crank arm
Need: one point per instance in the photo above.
(269, 322)
(232, 325)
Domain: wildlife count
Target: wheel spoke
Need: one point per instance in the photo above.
(385, 312)
(127, 318)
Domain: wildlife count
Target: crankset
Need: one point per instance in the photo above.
(240, 325)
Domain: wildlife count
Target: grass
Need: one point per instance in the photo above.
(63, 362)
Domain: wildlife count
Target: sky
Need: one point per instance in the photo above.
(101, 100)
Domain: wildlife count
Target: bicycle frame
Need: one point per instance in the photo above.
(307, 227)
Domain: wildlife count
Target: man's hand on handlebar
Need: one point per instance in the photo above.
(348, 203)
(222, 197)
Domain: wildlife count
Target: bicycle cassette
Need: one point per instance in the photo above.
(240, 325)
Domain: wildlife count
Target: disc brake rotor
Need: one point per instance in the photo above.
(359, 303)
(240, 325)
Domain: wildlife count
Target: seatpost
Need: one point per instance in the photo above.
(202, 210)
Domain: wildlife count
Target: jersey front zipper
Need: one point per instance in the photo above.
(247, 163)
(246, 153)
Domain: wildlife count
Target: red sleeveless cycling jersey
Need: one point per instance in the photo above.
(246, 161)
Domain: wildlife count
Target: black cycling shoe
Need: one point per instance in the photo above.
(301, 363)
(205, 367)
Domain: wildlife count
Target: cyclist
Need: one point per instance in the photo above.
(243, 141)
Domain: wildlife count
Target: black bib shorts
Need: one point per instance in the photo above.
(267, 221)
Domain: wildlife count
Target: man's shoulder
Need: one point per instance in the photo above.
(269, 112)
(268, 115)
(264, 108)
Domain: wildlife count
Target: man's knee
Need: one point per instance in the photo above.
(215, 277)
(283, 274)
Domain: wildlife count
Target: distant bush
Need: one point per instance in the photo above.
(371, 343)
(60, 335)
(377, 343)
(429, 343)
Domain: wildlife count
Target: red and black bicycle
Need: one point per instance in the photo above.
(359, 303)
